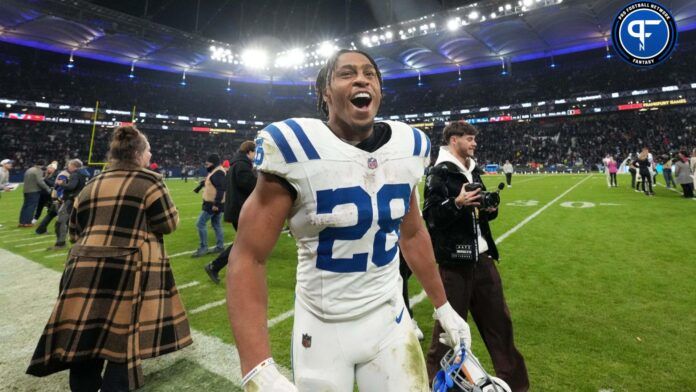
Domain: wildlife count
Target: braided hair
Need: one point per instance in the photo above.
(325, 73)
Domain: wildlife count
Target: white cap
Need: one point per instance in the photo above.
(6, 161)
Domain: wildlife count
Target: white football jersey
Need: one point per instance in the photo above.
(348, 210)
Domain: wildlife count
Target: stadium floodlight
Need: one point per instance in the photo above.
(326, 49)
(291, 58)
(389, 34)
(527, 3)
(508, 7)
(473, 15)
(493, 15)
(375, 38)
(255, 58)
(365, 41)
(453, 24)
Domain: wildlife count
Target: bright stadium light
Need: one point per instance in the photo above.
(255, 58)
(389, 34)
(375, 38)
(326, 49)
(291, 58)
(453, 24)
(527, 3)
(508, 7)
(473, 15)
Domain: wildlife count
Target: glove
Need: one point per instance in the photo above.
(456, 329)
(265, 377)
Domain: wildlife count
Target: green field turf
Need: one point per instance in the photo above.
(600, 284)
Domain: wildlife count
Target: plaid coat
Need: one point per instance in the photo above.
(118, 300)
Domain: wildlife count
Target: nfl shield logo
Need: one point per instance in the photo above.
(306, 340)
(371, 163)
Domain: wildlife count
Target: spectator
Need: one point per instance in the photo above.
(5, 167)
(684, 175)
(55, 204)
(33, 185)
(508, 169)
(612, 169)
(213, 204)
(71, 188)
(118, 302)
(466, 254)
(241, 181)
(45, 199)
(667, 172)
(643, 166)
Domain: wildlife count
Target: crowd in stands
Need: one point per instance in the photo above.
(579, 142)
(27, 142)
(583, 141)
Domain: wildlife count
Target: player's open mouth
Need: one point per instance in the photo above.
(361, 100)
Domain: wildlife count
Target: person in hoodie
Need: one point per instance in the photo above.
(78, 178)
(241, 181)
(466, 254)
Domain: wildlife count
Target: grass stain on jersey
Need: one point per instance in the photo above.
(415, 364)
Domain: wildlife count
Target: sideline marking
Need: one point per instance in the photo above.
(46, 241)
(29, 306)
(187, 285)
(190, 252)
(539, 211)
(207, 306)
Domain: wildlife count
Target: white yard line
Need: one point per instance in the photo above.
(205, 307)
(537, 212)
(56, 255)
(29, 305)
(33, 237)
(671, 189)
(190, 252)
(187, 285)
(46, 241)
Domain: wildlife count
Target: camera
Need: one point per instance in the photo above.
(488, 199)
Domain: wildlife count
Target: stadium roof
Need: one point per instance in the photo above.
(483, 34)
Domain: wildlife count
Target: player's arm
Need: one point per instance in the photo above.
(261, 220)
(418, 251)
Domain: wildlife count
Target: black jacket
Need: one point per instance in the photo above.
(453, 230)
(241, 181)
(75, 184)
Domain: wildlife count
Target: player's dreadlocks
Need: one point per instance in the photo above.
(325, 73)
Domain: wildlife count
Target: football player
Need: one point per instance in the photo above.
(347, 188)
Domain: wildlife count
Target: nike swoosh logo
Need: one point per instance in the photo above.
(398, 318)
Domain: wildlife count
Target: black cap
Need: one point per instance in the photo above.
(214, 159)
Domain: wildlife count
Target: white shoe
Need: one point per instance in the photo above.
(416, 330)
(33, 221)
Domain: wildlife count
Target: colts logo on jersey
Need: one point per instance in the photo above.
(372, 163)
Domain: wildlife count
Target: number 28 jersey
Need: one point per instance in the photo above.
(348, 210)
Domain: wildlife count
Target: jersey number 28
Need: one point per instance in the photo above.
(327, 200)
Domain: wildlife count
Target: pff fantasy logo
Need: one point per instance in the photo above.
(644, 33)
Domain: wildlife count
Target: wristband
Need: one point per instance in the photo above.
(253, 372)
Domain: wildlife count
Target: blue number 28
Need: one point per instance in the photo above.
(327, 200)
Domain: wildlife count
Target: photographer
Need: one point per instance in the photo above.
(465, 251)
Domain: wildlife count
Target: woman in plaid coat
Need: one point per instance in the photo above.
(118, 301)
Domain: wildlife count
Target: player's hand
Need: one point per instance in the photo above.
(265, 377)
(215, 209)
(468, 198)
(456, 329)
